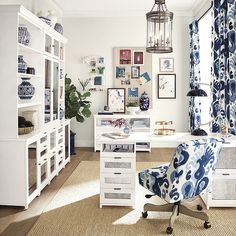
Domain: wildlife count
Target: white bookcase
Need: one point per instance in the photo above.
(29, 162)
(117, 173)
(139, 123)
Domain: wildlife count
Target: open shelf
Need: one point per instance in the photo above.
(27, 49)
(28, 75)
(30, 104)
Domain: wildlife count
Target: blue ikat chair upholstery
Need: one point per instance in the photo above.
(187, 176)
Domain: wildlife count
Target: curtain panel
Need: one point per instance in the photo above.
(195, 102)
(224, 66)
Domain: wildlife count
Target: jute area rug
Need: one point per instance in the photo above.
(75, 211)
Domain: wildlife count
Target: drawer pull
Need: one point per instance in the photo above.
(117, 157)
(45, 132)
(45, 146)
(45, 159)
(226, 174)
(117, 173)
(117, 188)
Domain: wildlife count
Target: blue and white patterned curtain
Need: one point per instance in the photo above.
(224, 65)
(195, 102)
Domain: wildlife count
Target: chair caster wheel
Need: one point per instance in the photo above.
(144, 214)
(169, 230)
(207, 225)
(199, 208)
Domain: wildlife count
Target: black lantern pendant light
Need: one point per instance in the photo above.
(159, 28)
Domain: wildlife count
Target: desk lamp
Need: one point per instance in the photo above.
(197, 92)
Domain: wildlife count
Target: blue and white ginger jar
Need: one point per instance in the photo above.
(144, 102)
(26, 89)
(22, 65)
(23, 35)
(58, 27)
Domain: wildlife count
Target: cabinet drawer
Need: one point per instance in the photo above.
(115, 149)
(224, 187)
(60, 130)
(117, 154)
(117, 196)
(118, 164)
(227, 158)
(117, 180)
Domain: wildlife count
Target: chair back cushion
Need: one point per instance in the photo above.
(191, 169)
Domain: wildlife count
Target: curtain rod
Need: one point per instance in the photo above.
(205, 12)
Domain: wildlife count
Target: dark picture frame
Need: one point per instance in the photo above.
(138, 58)
(135, 72)
(166, 86)
(125, 56)
(116, 99)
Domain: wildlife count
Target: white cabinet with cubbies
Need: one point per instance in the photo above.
(139, 123)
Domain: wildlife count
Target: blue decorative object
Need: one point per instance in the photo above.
(194, 103)
(126, 130)
(23, 35)
(22, 65)
(58, 27)
(26, 89)
(144, 102)
(223, 68)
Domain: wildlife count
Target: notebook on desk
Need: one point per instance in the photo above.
(115, 135)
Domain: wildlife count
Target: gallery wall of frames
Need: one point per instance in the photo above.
(133, 71)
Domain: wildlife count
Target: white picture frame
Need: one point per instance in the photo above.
(166, 64)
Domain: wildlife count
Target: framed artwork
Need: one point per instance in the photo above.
(98, 80)
(133, 93)
(166, 64)
(135, 72)
(125, 56)
(166, 86)
(138, 58)
(120, 72)
(116, 100)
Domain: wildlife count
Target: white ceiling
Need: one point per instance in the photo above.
(107, 8)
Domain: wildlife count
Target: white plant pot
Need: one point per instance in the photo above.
(133, 110)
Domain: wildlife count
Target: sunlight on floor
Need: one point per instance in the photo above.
(73, 193)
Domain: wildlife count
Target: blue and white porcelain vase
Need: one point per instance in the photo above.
(58, 27)
(22, 65)
(23, 35)
(26, 89)
(144, 102)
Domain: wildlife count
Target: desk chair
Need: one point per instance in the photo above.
(187, 176)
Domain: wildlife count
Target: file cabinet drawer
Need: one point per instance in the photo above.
(117, 164)
(117, 196)
(117, 180)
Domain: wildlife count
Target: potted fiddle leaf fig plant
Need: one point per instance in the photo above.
(76, 105)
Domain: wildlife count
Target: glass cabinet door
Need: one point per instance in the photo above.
(48, 84)
(56, 48)
(55, 90)
(48, 44)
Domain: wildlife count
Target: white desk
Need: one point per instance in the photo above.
(224, 184)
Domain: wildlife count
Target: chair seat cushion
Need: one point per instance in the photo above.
(152, 179)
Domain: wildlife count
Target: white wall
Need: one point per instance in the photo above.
(37, 5)
(98, 36)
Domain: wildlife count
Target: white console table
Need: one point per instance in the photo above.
(119, 168)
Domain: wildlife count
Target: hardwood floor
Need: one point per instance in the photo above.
(15, 221)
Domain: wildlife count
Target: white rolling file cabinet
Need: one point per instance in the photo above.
(117, 173)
